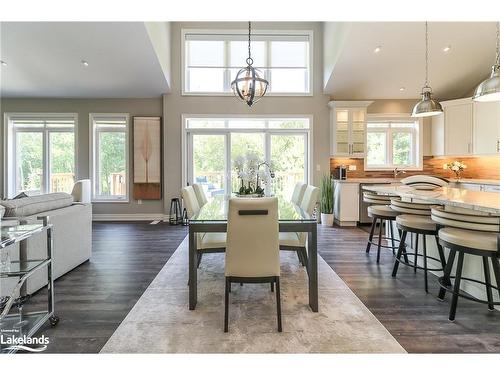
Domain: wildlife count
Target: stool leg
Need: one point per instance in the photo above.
(404, 245)
(391, 230)
(425, 264)
(441, 253)
(456, 287)
(496, 269)
(415, 257)
(487, 280)
(447, 273)
(398, 255)
(370, 238)
(379, 239)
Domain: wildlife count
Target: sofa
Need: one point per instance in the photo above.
(71, 217)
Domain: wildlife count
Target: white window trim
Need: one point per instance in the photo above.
(10, 159)
(92, 160)
(417, 141)
(185, 143)
(309, 33)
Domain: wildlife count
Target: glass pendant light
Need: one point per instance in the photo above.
(489, 89)
(427, 106)
(249, 86)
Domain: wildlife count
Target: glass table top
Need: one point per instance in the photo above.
(12, 232)
(215, 210)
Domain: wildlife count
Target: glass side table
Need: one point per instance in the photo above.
(15, 325)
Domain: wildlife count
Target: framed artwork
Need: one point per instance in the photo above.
(147, 158)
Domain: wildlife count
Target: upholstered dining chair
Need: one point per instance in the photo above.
(293, 241)
(200, 194)
(252, 258)
(298, 193)
(206, 242)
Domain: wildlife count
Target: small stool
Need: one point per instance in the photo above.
(175, 217)
(474, 233)
(380, 211)
(416, 218)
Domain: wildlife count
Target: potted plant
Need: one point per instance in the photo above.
(326, 201)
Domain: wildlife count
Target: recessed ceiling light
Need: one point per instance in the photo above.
(446, 49)
(402, 88)
(3, 63)
(85, 63)
(378, 49)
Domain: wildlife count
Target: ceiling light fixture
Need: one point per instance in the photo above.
(377, 49)
(249, 85)
(427, 106)
(3, 63)
(489, 89)
(85, 63)
(446, 49)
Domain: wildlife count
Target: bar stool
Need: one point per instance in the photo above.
(379, 210)
(468, 232)
(416, 218)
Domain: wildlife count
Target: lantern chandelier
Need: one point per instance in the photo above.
(427, 106)
(249, 85)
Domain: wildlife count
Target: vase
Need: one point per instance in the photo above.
(327, 220)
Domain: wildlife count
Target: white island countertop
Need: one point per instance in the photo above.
(475, 200)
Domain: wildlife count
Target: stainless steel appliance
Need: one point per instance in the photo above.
(340, 173)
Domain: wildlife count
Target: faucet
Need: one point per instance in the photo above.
(397, 172)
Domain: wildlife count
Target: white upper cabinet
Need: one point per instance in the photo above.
(486, 128)
(348, 127)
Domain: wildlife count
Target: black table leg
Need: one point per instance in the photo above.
(193, 282)
(313, 268)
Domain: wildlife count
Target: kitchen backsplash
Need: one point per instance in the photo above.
(485, 167)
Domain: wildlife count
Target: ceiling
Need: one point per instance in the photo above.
(356, 72)
(44, 59)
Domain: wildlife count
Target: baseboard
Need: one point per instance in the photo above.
(129, 217)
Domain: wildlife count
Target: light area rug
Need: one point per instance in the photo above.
(161, 322)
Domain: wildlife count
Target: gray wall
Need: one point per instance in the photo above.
(134, 107)
(174, 104)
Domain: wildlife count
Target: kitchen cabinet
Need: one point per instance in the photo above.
(346, 203)
(458, 126)
(486, 134)
(348, 128)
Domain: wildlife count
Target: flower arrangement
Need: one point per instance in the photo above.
(251, 176)
(456, 167)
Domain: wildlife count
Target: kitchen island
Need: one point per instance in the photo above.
(449, 196)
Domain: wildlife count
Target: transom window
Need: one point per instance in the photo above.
(392, 143)
(41, 154)
(212, 60)
(213, 144)
(110, 157)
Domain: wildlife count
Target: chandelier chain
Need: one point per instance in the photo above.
(426, 55)
(249, 33)
(498, 44)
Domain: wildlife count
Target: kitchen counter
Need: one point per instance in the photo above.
(464, 198)
(476, 181)
(367, 180)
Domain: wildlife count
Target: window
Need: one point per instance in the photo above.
(212, 60)
(40, 153)
(110, 157)
(212, 145)
(393, 143)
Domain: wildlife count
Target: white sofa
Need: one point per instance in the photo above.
(71, 216)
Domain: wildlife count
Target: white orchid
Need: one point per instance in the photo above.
(456, 167)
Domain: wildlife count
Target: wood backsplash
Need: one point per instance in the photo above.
(486, 167)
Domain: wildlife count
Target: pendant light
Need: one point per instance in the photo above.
(249, 86)
(489, 89)
(427, 106)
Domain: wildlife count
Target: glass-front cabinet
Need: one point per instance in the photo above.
(348, 127)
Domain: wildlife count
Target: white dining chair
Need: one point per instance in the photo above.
(200, 194)
(252, 258)
(206, 242)
(298, 193)
(293, 241)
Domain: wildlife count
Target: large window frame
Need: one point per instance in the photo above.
(10, 145)
(94, 155)
(392, 120)
(237, 35)
(187, 133)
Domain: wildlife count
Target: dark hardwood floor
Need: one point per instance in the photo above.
(93, 299)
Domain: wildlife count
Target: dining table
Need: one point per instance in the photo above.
(212, 217)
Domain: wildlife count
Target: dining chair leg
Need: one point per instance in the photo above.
(379, 239)
(370, 238)
(456, 287)
(226, 306)
(272, 287)
(278, 303)
(447, 273)
(487, 280)
(398, 255)
(496, 270)
(415, 257)
(200, 255)
(425, 264)
(304, 256)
